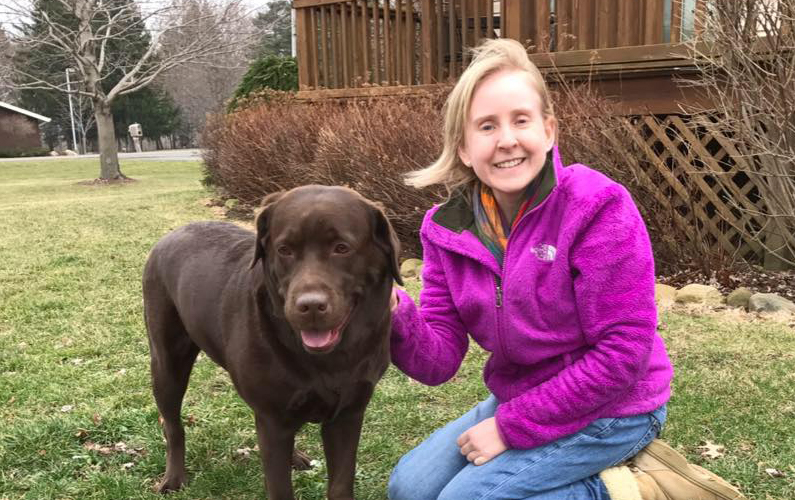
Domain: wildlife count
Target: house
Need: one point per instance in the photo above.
(19, 130)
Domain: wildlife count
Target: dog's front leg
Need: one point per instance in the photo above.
(340, 441)
(276, 441)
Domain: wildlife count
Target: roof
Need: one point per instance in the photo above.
(24, 112)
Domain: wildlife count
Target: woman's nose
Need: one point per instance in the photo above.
(507, 138)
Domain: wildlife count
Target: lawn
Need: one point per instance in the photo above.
(78, 419)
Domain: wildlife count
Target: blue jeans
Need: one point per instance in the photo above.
(564, 469)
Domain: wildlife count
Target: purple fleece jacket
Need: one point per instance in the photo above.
(569, 319)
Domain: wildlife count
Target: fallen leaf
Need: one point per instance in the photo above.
(97, 419)
(243, 452)
(774, 472)
(67, 408)
(42, 452)
(102, 450)
(81, 434)
(711, 450)
(191, 420)
(127, 466)
(11, 401)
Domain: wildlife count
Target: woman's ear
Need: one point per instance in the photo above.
(551, 130)
(464, 156)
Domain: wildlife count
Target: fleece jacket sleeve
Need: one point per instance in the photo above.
(428, 343)
(613, 277)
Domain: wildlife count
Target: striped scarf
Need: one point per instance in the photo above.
(493, 230)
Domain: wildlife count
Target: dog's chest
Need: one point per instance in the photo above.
(320, 403)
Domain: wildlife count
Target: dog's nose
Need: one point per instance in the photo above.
(312, 303)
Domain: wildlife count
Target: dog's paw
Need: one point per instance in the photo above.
(301, 460)
(170, 484)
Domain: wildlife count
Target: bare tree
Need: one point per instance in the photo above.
(104, 23)
(202, 87)
(747, 60)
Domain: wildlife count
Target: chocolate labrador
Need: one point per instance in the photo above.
(298, 314)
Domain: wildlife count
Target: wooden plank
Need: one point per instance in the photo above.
(299, 4)
(376, 43)
(335, 63)
(324, 42)
(540, 25)
(388, 49)
(653, 23)
(464, 35)
(629, 23)
(451, 27)
(409, 42)
(356, 56)
(440, 41)
(490, 19)
(305, 62)
(476, 31)
(364, 21)
(585, 15)
(676, 53)
(345, 49)
(367, 92)
(314, 14)
(676, 21)
(565, 25)
(428, 54)
(400, 46)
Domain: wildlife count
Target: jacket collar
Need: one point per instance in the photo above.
(457, 214)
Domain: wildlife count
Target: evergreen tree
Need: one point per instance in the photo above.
(276, 29)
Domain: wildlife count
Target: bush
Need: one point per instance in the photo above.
(366, 145)
(266, 72)
(24, 153)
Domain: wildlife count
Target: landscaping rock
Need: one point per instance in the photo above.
(739, 297)
(770, 302)
(664, 295)
(411, 268)
(54, 153)
(69, 152)
(699, 294)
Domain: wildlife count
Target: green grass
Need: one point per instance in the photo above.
(74, 362)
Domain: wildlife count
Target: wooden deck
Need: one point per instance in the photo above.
(353, 48)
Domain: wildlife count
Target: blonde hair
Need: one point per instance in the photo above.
(488, 58)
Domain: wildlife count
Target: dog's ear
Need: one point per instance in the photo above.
(262, 224)
(386, 238)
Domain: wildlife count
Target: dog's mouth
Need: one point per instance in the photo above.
(320, 341)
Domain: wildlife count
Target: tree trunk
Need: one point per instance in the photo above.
(108, 151)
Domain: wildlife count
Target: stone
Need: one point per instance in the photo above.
(411, 268)
(664, 295)
(54, 153)
(699, 294)
(739, 297)
(770, 302)
(69, 152)
(231, 204)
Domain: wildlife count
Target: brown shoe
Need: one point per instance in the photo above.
(677, 479)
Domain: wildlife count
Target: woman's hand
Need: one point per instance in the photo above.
(482, 442)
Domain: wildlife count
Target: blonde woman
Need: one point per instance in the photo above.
(550, 269)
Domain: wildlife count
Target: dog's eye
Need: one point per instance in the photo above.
(342, 248)
(284, 251)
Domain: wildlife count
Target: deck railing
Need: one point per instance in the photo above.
(358, 43)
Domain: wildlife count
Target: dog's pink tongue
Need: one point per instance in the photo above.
(316, 339)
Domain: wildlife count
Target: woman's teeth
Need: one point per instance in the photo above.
(509, 163)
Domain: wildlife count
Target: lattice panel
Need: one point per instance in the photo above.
(693, 174)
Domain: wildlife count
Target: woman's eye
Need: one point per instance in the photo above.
(284, 251)
(342, 248)
(487, 127)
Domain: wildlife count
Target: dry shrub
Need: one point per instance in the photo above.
(366, 145)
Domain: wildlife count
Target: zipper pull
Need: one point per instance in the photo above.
(499, 295)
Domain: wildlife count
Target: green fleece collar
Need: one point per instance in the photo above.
(457, 215)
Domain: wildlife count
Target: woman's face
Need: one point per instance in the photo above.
(506, 136)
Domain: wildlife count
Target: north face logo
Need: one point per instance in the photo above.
(544, 252)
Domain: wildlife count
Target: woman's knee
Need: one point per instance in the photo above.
(400, 486)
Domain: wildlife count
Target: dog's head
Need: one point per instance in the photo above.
(327, 253)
